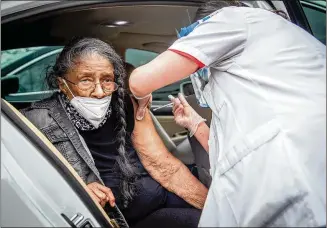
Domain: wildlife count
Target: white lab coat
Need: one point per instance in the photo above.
(267, 92)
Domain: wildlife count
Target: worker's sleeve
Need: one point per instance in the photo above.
(216, 41)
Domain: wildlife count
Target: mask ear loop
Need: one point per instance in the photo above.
(68, 87)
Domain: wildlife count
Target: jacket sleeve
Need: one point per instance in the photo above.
(92, 178)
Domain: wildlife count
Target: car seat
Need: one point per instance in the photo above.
(201, 156)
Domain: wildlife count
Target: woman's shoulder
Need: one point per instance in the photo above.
(39, 112)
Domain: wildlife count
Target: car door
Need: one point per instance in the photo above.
(38, 186)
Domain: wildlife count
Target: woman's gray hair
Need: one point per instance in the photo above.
(80, 48)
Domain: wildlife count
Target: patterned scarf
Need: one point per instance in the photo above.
(77, 119)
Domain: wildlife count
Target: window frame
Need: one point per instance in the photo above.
(313, 6)
(297, 15)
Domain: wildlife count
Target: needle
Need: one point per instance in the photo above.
(163, 106)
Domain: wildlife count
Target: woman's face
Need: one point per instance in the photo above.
(92, 69)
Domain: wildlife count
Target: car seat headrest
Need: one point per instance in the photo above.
(129, 68)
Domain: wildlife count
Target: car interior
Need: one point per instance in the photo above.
(132, 28)
(148, 27)
(153, 32)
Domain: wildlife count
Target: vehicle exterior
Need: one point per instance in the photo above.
(38, 187)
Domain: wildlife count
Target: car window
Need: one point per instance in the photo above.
(8, 57)
(32, 71)
(140, 57)
(29, 65)
(316, 16)
(32, 78)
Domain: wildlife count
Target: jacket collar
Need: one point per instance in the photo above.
(58, 113)
(48, 103)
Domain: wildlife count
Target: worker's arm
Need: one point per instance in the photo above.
(204, 46)
(187, 117)
(202, 135)
(170, 172)
(165, 69)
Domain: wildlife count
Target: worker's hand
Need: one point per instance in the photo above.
(143, 104)
(101, 193)
(185, 115)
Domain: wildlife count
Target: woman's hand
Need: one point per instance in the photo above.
(101, 193)
(185, 115)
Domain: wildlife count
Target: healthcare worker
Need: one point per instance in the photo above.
(264, 79)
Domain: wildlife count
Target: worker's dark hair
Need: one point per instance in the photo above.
(210, 6)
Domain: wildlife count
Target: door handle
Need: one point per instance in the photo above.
(78, 221)
(179, 134)
(68, 220)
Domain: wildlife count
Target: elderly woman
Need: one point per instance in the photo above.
(91, 122)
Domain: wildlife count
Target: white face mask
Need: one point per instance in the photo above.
(92, 109)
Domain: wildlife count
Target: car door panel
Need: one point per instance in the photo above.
(175, 132)
(15, 202)
(48, 191)
(36, 190)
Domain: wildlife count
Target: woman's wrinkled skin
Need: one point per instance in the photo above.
(101, 194)
(170, 172)
(92, 67)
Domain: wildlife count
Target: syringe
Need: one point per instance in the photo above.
(166, 105)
